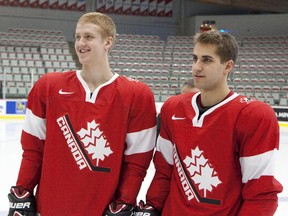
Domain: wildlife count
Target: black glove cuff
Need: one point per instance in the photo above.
(22, 202)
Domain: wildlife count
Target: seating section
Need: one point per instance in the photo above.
(261, 71)
(27, 54)
(164, 66)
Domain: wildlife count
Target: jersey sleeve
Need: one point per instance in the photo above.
(258, 137)
(33, 137)
(140, 143)
(163, 162)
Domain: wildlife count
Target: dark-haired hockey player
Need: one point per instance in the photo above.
(216, 150)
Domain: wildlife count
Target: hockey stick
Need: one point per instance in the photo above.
(91, 166)
(191, 185)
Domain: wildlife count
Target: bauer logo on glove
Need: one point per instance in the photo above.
(21, 202)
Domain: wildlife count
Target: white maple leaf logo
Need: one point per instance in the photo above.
(200, 171)
(131, 79)
(206, 180)
(194, 162)
(95, 142)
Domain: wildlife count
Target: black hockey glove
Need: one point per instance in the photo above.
(22, 202)
(119, 209)
(146, 210)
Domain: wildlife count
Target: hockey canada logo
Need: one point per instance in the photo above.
(197, 176)
(246, 100)
(95, 147)
(95, 143)
(131, 79)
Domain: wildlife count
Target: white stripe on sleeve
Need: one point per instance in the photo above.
(34, 125)
(166, 149)
(254, 167)
(140, 141)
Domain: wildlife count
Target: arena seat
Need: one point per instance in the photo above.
(262, 61)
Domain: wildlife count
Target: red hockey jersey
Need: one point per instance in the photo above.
(219, 163)
(84, 150)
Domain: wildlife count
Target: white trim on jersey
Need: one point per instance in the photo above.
(140, 141)
(88, 97)
(166, 149)
(254, 167)
(34, 125)
(199, 123)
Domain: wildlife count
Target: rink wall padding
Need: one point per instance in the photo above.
(16, 108)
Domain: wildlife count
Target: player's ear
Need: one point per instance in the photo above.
(229, 66)
(109, 42)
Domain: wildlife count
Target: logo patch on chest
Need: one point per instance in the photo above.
(196, 174)
(90, 149)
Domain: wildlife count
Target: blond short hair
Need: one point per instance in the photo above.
(105, 22)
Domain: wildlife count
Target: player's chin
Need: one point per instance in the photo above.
(198, 81)
(83, 61)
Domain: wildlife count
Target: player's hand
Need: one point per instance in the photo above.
(145, 209)
(119, 209)
(22, 202)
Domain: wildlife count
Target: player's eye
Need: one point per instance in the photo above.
(206, 60)
(194, 59)
(89, 37)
